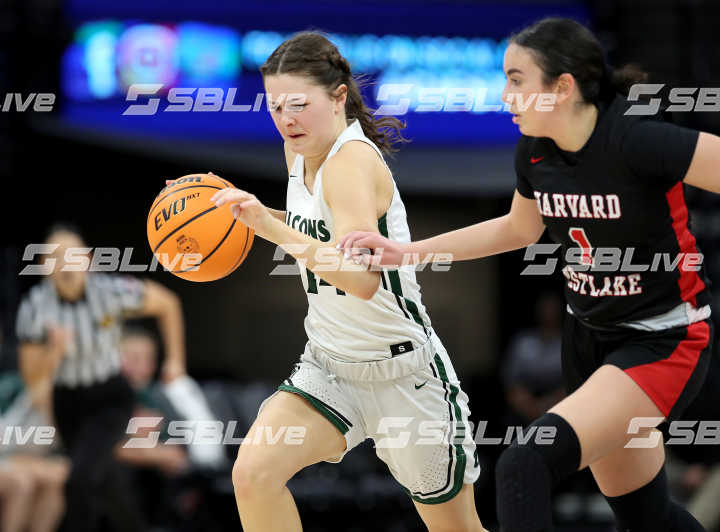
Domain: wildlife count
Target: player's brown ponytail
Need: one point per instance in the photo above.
(311, 54)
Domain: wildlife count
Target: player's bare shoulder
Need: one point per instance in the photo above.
(362, 160)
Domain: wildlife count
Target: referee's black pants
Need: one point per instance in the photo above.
(91, 421)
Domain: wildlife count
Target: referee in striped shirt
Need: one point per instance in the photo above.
(69, 328)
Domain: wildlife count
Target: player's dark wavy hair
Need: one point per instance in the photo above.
(562, 45)
(311, 54)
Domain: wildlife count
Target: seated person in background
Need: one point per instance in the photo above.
(159, 470)
(533, 368)
(138, 351)
(181, 399)
(32, 476)
(175, 492)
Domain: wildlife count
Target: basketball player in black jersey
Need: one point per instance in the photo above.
(637, 344)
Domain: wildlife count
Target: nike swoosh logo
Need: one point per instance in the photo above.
(417, 387)
(534, 160)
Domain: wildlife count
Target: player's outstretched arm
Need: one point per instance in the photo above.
(521, 227)
(353, 206)
(704, 170)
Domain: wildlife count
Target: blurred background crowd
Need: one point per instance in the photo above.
(89, 162)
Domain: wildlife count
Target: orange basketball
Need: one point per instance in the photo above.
(190, 236)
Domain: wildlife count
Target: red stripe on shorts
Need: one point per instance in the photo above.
(665, 380)
(689, 281)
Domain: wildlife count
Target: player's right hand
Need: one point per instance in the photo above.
(372, 249)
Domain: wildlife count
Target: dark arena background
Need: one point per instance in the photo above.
(83, 159)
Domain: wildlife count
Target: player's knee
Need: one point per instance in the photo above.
(518, 461)
(525, 475)
(254, 477)
(557, 459)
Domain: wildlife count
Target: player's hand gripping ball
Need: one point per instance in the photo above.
(191, 236)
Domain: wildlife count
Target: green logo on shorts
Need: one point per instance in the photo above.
(418, 386)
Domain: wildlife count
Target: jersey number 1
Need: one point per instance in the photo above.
(580, 238)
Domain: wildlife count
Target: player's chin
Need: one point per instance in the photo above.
(525, 128)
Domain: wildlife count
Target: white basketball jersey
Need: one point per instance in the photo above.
(355, 330)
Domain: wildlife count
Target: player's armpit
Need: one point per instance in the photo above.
(704, 170)
(525, 220)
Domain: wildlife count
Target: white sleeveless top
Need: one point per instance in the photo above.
(352, 329)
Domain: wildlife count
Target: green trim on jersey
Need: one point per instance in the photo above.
(461, 458)
(396, 285)
(312, 283)
(320, 407)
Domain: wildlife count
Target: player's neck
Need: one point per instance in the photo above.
(313, 162)
(312, 165)
(577, 129)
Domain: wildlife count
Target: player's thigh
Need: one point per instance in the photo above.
(268, 446)
(601, 409)
(421, 429)
(629, 468)
(457, 514)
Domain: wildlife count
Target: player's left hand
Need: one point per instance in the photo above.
(171, 370)
(244, 207)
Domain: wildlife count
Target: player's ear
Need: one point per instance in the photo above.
(564, 86)
(340, 95)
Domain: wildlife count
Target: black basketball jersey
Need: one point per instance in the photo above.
(621, 194)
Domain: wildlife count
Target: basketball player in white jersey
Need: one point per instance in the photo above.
(372, 367)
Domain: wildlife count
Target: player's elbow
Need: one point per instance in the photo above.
(524, 234)
(366, 291)
(533, 236)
